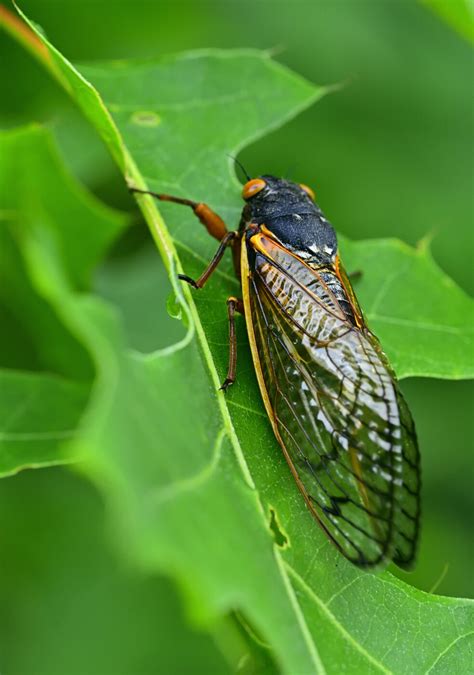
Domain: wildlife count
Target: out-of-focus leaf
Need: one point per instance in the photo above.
(138, 285)
(459, 14)
(38, 412)
(35, 191)
(33, 177)
(184, 492)
(59, 580)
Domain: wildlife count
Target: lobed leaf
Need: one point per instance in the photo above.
(202, 500)
(424, 321)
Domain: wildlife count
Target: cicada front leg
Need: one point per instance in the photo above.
(213, 224)
(217, 229)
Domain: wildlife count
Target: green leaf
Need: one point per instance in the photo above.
(459, 14)
(38, 412)
(133, 282)
(65, 596)
(184, 493)
(36, 193)
(409, 302)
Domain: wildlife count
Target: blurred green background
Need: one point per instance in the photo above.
(389, 155)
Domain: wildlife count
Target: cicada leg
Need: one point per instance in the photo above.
(233, 305)
(217, 229)
(199, 283)
(213, 224)
(209, 218)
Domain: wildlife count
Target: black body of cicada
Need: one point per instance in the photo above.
(288, 210)
(329, 391)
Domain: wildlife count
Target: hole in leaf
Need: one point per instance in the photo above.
(281, 539)
(146, 118)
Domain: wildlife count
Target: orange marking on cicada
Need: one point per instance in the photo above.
(211, 221)
(342, 276)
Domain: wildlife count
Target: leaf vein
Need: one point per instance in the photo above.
(346, 635)
(451, 644)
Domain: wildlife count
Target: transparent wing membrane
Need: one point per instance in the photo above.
(343, 423)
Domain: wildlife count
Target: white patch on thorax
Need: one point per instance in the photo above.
(303, 254)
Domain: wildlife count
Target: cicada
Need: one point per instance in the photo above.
(329, 391)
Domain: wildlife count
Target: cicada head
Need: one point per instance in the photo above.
(288, 210)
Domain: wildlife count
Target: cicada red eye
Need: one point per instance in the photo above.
(308, 191)
(252, 187)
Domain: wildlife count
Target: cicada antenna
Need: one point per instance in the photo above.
(241, 166)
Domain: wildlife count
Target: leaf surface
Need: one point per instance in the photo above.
(424, 321)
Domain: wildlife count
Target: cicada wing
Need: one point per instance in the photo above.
(408, 505)
(336, 408)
